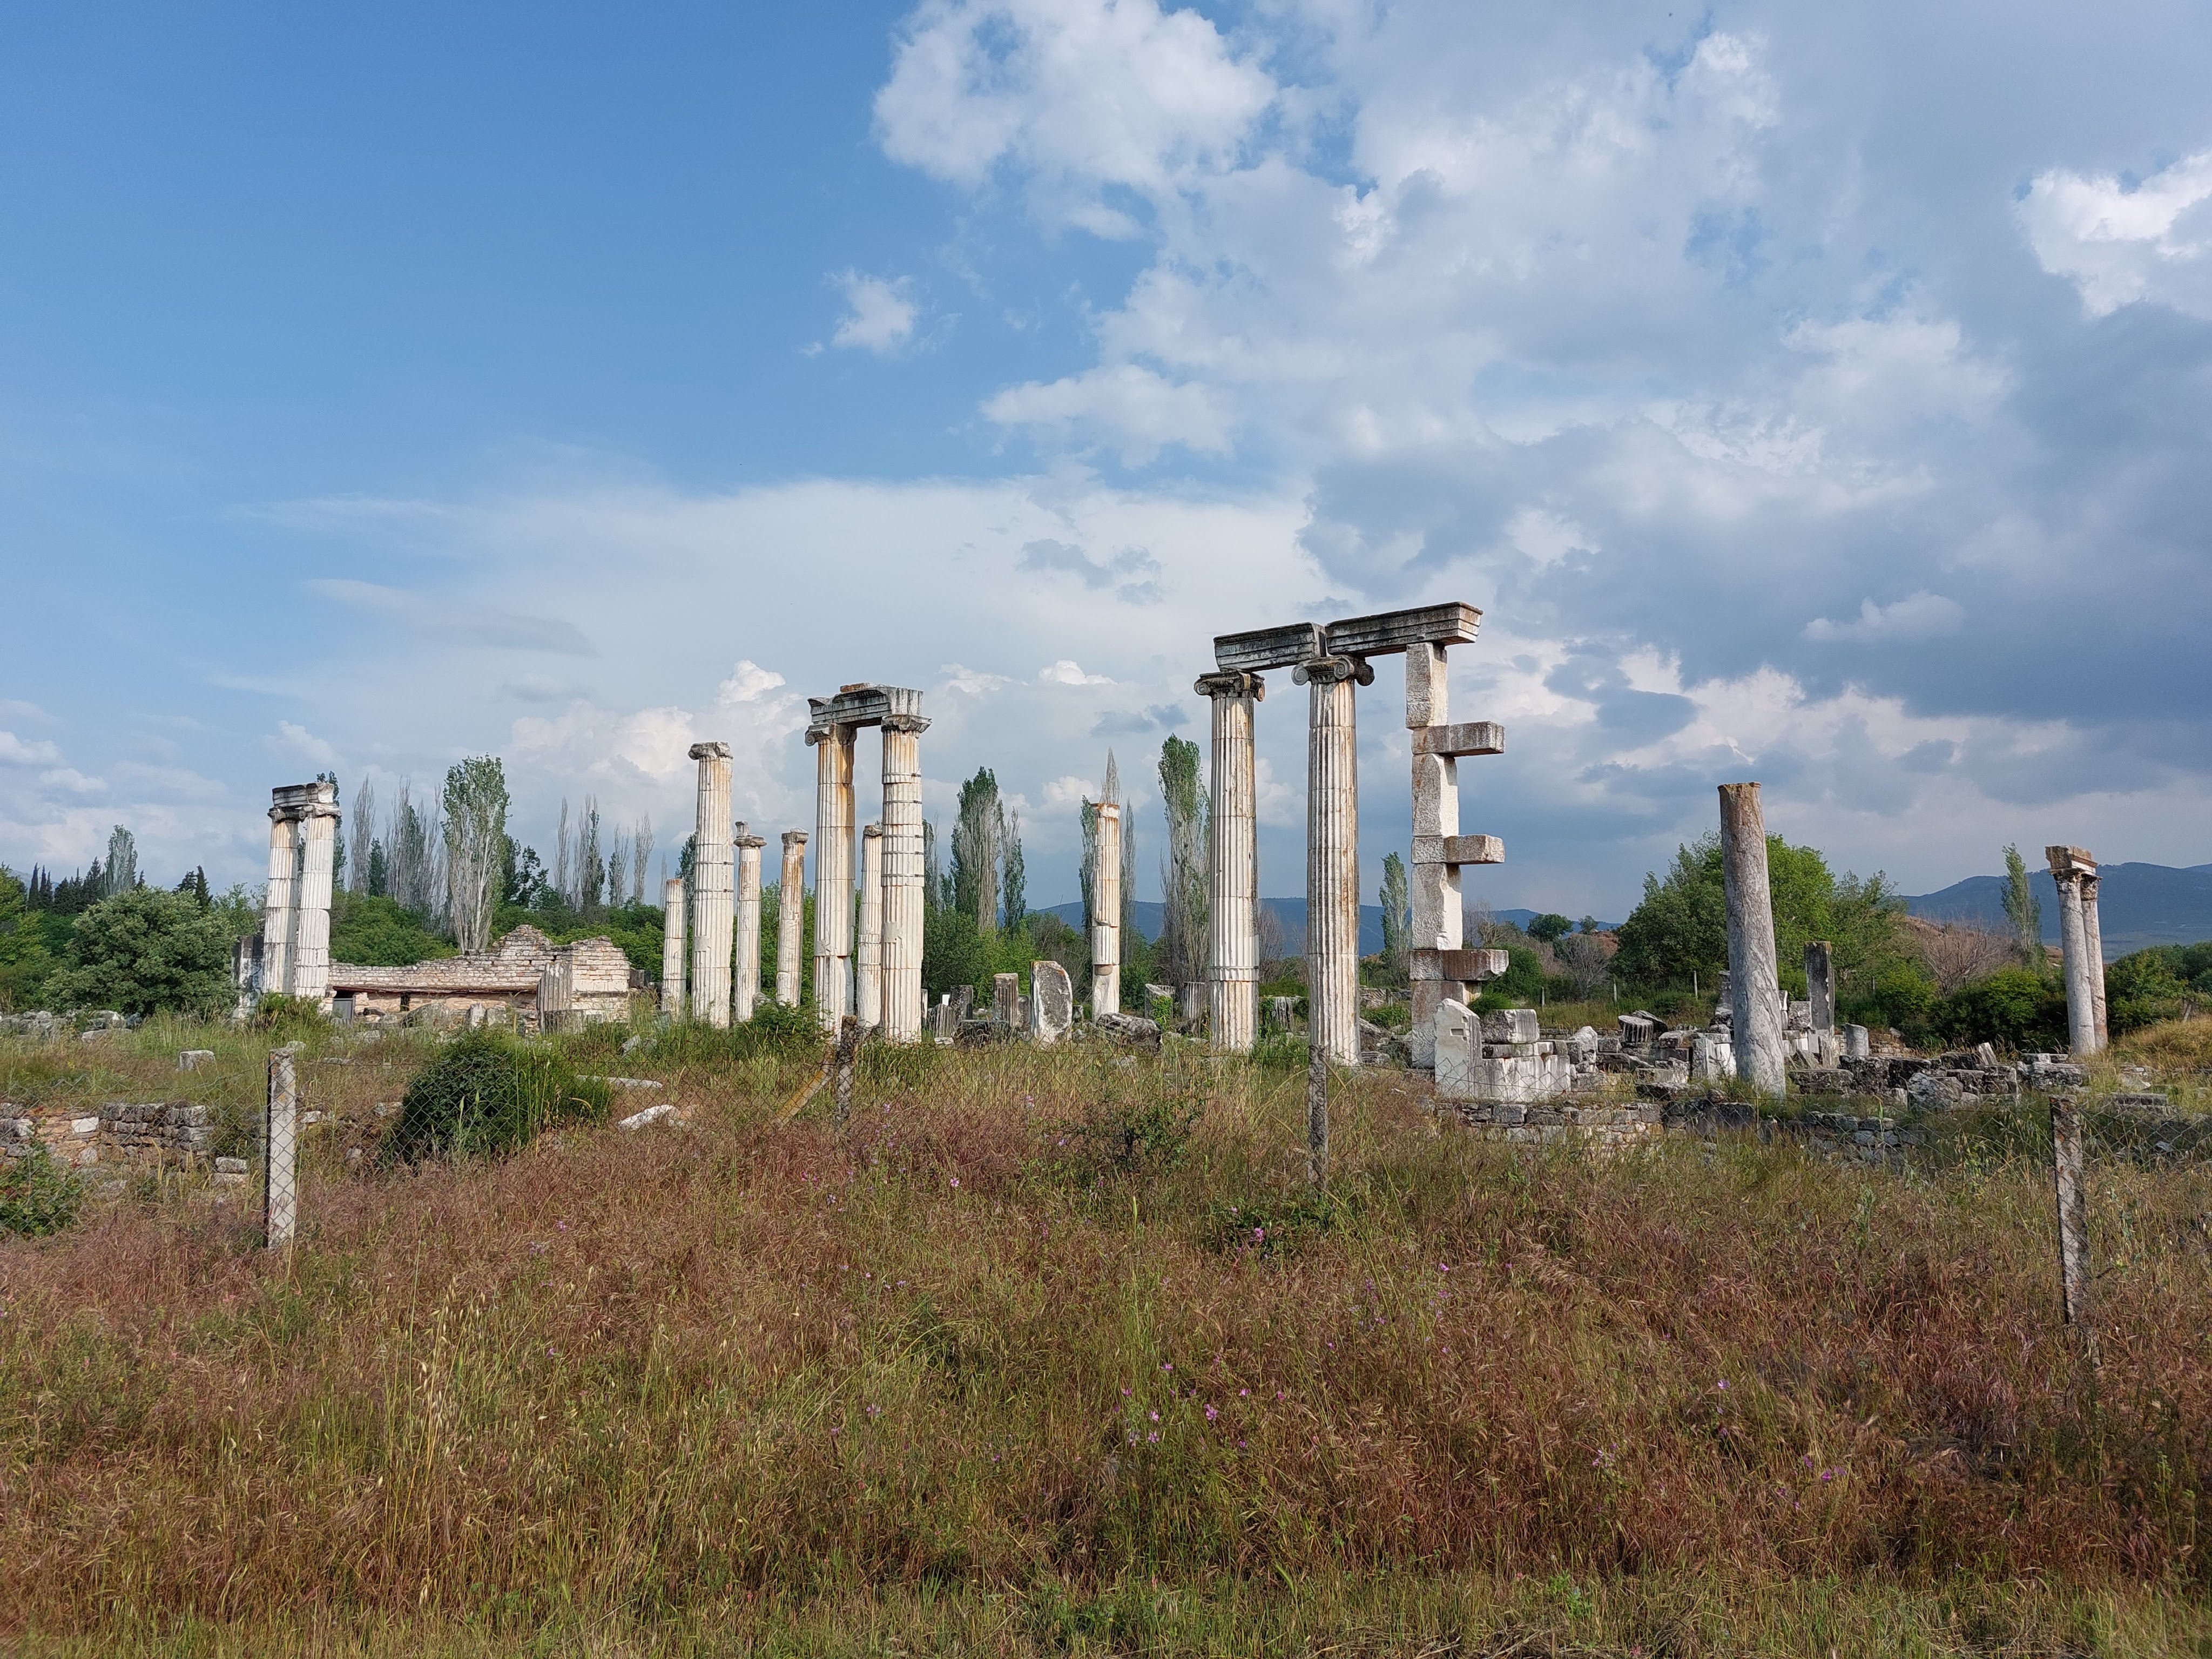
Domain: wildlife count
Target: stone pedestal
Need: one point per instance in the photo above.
(1333, 858)
(711, 887)
(745, 975)
(671, 947)
(833, 871)
(868, 946)
(1106, 911)
(1232, 975)
(1754, 990)
(791, 918)
(2081, 946)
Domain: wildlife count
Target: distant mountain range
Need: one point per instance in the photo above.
(2138, 905)
(1149, 915)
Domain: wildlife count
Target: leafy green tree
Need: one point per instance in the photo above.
(1017, 905)
(1397, 916)
(2023, 910)
(978, 839)
(1681, 926)
(2018, 1007)
(476, 845)
(146, 951)
(25, 961)
(1551, 927)
(371, 932)
(1182, 871)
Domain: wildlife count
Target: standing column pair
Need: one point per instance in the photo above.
(1232, 969)
(2081, 943)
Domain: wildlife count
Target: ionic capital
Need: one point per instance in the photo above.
(916, 723)
(1231, 682)
(1332, 671)
(710, 750)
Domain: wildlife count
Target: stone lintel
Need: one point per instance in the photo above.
(1469, 967)
(1231, 682)
(1328, 671)
(1392, 631)
(2070, 861)
(1456, 850)
(1267, 648)
(1456, 742)
(318, 799)
(862, 705)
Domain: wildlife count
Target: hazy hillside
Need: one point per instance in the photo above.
(2138, 905)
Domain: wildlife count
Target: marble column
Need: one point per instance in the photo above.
(1232, 940)
(710, 887)
(2093, 941)
(833, 871)
(1333, 856)
(744, 986)
(1106, 911)
(311, 914)
(279, 906)
(868, 947)
(671, 947)
(2073, 870)
(1434, 902)
(902, 947)
(791, 918)
(1754, 969)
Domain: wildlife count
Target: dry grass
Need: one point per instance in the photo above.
(949, 1377)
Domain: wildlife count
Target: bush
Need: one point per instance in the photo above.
(2015, 1006)
(1148, 1135)
(38, 1196)
(489, 1094)
(371, 931)
(287, 1018)
(146, 952)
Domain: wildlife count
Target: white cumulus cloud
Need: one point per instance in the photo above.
(882, 313)
(2119, 242)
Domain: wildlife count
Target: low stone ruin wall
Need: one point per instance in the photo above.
(152, 1132)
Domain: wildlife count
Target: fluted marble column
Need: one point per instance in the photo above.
(2075, 874)
(1333, 856)
(711, 918)
(278, 905)
(868, 947)
(1106, 911)
(671, 947)
(1232, 971)
(902, 947)
(311, 915)
(744, 984)
(791, 917)
(833, 871)
(1754, 969)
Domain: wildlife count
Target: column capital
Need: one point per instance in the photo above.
(741, 840)
(1231, 682)
(712, 749)
(916, 723)
(792, 838)
(872, 832)
(1330, 670)
(2067, 861)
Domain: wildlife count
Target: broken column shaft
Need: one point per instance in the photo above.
(278, 907)
(791, 917)
(1232, 865)
(744, 982)
(1754, 986)
(833, 870)
(1333, 856)
(868, 946)
(711, 918)
(671, 947)
(1106, 909)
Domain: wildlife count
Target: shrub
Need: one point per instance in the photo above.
(146, 952)
(489, 1094)
(38, 1196)
(286, 1016)
(2016, 1006)
(775, 1030)
(1146, 1132)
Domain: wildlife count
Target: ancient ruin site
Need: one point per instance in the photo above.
(1106, 827)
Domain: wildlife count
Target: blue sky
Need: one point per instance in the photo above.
(1818, 399)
